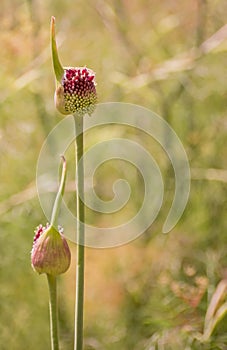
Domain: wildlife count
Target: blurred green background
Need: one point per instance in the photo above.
(160, 291)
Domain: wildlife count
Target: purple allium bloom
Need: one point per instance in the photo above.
(77, 92)
(75, 86)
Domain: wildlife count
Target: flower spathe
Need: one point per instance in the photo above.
(75, 86)
(50, 252)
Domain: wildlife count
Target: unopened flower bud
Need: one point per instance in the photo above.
(50, 252)
(75, 86)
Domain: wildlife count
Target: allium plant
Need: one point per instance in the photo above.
(75, 94)
(51, 255)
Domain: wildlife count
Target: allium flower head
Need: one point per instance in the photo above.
(50, 252)
(76, 87)
(77, 92)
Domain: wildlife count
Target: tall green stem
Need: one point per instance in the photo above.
(52, 283)
(79, 299)
(52, 280)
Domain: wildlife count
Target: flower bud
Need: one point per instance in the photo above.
(75, 87)
(50, 252)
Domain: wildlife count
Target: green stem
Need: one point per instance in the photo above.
(79, 299)
(52, 283)
(57, 203)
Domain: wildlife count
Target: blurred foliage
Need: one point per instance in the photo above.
(158, 292)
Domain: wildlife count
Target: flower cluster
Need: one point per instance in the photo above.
(75, 86)
(77, 94)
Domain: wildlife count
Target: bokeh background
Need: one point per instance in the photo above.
(160, 291)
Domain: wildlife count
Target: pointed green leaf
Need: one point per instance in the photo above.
(58, 69)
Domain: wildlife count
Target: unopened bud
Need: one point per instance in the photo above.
(50, 252)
